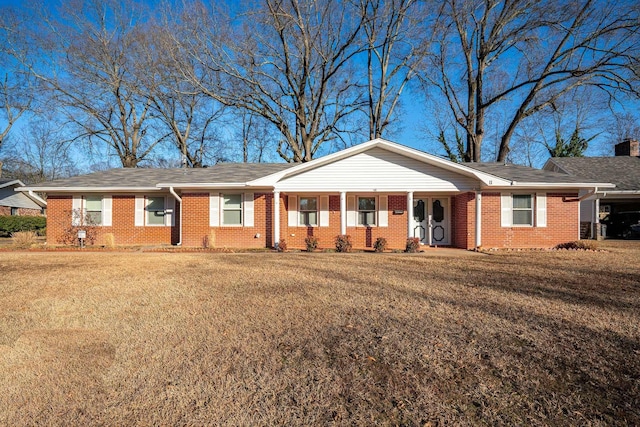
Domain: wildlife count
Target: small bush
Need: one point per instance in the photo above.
(380, 244)
(24, 239)
(583, 245)
(343, 243)
(312, 243)
(282, 245)
(210, 240)
(413, 245)
(11, 224)
(109, 240)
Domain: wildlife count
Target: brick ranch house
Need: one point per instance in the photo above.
(375, 189)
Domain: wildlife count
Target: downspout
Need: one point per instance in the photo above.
(175, 195)
(581, 198)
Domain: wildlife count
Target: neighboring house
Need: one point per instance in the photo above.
(375, 189)
(623, 170)
(14, 202)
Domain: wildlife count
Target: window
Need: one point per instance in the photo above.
(522, 209)
(232, 209)
(155, 210)
(308, 211)
(93, 210)
(366, 211)
(14, 211)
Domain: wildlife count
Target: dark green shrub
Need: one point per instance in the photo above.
(413, 245)
(380, 244)
(343, 243)
(13, 224)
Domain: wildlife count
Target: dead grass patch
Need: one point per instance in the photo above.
(267, 338)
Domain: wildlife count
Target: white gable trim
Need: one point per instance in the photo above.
(486, 179)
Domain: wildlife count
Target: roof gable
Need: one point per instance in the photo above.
(377, 169)
(404, 151)
(623, 171)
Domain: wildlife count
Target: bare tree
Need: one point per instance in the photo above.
(256, 135)
(90, 75)
(287, 62)
(187, 113)
(623, 126)
(397, 44)
(39, 153)
(526, 55)
(16, 87)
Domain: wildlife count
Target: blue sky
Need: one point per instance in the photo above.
(418, 128)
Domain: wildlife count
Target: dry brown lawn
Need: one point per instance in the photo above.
(542, 338)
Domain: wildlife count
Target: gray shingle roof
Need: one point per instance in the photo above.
(224, 173)
(520, 173)
(623, 171)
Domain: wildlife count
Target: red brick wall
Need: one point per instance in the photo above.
(562, 224)
(123, 219)
(197, 230)
(6, 211)
(463, 210)
(362, 237)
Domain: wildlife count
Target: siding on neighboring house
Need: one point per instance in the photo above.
(9, 198)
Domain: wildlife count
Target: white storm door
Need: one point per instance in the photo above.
(439, 216)
(420, 220)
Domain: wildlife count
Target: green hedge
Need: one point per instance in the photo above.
(11, 224)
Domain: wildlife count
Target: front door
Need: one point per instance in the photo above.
(421, 220)
(431, 220)
(439, 221)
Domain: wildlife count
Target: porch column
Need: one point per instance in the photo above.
(478, 219)
(276, 218)
(343, 213)
(596, 219)
(410, 224)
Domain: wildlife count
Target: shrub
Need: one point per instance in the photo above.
(413, 245)
(343, 243)
(24, 239)
(312, 243)
(282, 245)
(42, 232)
(210, 240)
(380, 244)
(12, 224)
(109, 240)
(584, 245)
(69, 234)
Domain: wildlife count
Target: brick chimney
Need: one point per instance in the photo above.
(628, 147)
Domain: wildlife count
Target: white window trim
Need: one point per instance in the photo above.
(222, 209)
(538, 210)
(146, 211)
(317, 211)
(375, 212)
(79, 203)
(216, 210)
(532, 209)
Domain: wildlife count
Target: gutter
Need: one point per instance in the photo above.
(175, 195)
